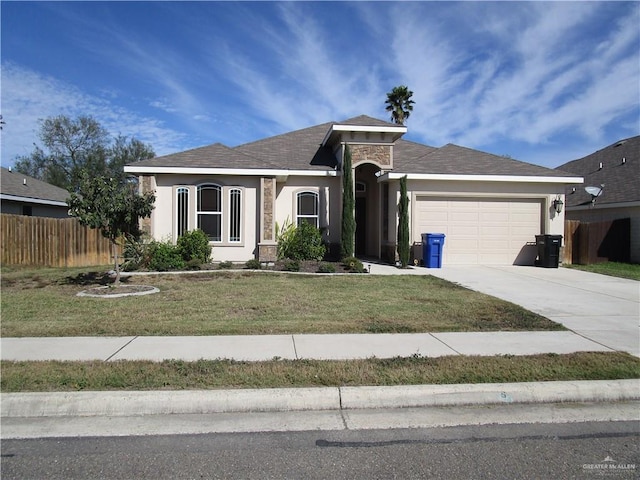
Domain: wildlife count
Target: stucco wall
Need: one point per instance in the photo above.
(328, 189)
(163, 217)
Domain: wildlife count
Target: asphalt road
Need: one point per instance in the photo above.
(540, 451)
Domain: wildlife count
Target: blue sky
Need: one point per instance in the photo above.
(542, 82)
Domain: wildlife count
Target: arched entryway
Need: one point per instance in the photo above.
(367, 210)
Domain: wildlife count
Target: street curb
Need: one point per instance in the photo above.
(125, 403)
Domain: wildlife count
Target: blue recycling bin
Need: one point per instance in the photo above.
(432, 245)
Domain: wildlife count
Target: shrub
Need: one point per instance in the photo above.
(225, 265)
(136, 254)
(164, 256)
(326, 268)
(194, 264)
(291, 266)
(303, 242)
(194, 245)
(284, 237)
(253, 264)
(352, 264)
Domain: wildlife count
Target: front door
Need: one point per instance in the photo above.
(361, 226)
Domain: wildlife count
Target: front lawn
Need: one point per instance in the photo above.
(44, 303)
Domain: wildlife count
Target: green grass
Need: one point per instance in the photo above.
(214, 374)
(44, 303)
(614, 269)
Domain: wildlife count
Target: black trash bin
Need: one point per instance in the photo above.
(548, 250)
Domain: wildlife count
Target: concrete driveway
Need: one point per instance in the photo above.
(601, 308)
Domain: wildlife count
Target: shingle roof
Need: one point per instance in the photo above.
(297, 150)
(453, 159)
(302, 150)
(211, 156)
(621, 180)
(13, 183)
(366, 121)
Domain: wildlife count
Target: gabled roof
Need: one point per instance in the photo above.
(20, 187)
(621, 178)
(211, 156)
(455, 160)
(297, 150)
(308, 149)
(366, 121)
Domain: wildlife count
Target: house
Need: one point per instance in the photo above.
(21, 194)
(612, 175)
(489, 207)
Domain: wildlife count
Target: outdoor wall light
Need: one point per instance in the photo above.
(557, 204)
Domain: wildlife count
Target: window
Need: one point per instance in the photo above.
(307, 208)
(219, 213)
(235, 215)
(209, 211)
(182, 210)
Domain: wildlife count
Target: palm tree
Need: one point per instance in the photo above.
(399, 103)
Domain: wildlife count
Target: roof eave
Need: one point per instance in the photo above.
(481, 178)
(39, 201)
(396, 132)
(261, 172)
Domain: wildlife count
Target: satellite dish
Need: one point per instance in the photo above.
(593, 191)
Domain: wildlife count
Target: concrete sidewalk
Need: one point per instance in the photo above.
(321, 347)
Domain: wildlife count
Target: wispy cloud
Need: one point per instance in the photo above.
(527, 79)
(29, 96)
(546, 77)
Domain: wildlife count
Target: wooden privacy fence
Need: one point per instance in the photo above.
(595, 242)
(51, 242)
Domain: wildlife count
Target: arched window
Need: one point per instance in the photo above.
(182, 210)
(307, 208)
(209, 211)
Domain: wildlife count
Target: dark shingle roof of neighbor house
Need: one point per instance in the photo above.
(621, 179)
(13, 183)
(302, 150)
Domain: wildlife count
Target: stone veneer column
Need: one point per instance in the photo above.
(267, 246)
(146, 185)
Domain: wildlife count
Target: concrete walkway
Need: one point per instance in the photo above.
(268, 347)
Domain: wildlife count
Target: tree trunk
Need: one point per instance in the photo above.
(114, 246)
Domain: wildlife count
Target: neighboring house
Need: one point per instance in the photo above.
(614, 172)
(489, 207)
(21, 194)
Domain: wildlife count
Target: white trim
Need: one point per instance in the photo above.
(362, 128)
(480, 178)
(229, 171)
(15, 198)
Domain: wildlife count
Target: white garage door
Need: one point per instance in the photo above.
(480, 230)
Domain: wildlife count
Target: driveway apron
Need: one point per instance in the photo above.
(601, 308)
